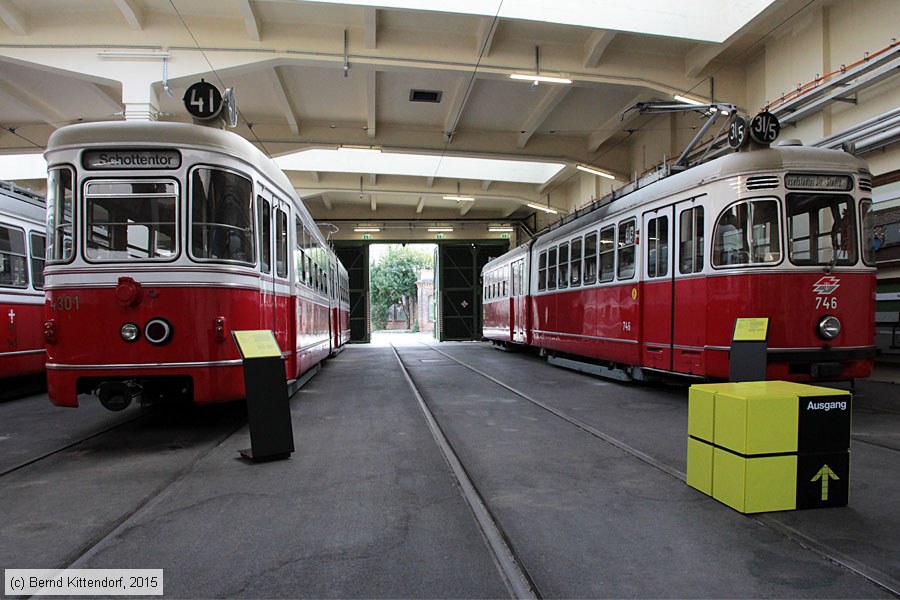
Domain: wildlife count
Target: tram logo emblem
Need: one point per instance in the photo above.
(826, 285)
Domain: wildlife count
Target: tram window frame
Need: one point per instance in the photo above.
(867, 220)
(123, 223)
(755, 236)
(542, 271)
(60, 214)
(690, 245)
(38, 258)
(551, 268)
(826, 234)
(13, 257)
(282, 218)
(575, 261)
(204, 245)
(658, 247)
(562, 272)
(264, 216)
(625, 250)
(590, 258)
(607, 258)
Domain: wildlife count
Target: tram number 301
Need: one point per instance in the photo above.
(63, 303)
(826, 302)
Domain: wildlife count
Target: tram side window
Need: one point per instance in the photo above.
(575, 268)
(626, 250)
(221, 216)
(690, 241)
(38, 254)
(130, 220)
(822, 229)
(281, 243)
(542, 271)
(658, 247)
(13, 270)
(298, 249)
(264, 214)
(59, 212)
(590, 258)
(551, 268)
(747, 233)
(607, 253)
(563, 265)
(870, 245)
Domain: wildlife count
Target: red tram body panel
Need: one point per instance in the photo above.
(651, 283)
(164, 239)
(22, 225)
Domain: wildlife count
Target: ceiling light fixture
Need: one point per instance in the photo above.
(546, 209)
(537, 77)
(501, 229)
(458, 197)
(349, 148)
(687, 100)
(440, 229)
(594, 171)
(367, 229)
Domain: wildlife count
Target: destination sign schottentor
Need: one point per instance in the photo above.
(131, 159)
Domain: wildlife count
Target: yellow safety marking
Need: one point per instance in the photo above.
(634, 293)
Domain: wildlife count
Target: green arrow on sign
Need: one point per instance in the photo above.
(825, 473)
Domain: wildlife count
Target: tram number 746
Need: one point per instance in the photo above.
(826, 302)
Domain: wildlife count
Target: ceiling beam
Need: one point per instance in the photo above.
(133, 13)
(421, 205)
(251, 22)
(314, 175)
(486, 185)
(326, 202)
(13, 17)
(370, 24)
(429, 182)
(465, 208)
(372, 203)
(371, 89)
(15, 94)
(102, 97)
(456, 107)
(616, 123)
(545, 107)
(282, 100)
(373, 179)
(595, 46)
(485, 38)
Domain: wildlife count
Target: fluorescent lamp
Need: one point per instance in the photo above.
(133, 54)
(440, 229)
(460, 198)
(594, 171)
(536, 78)
(687, 100)
(346, 148)
(367, 229)
(546, 209)
(501, 229)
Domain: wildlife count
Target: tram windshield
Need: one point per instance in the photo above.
(222, 216)
(822, 229)
(747, 234)
(130, 220)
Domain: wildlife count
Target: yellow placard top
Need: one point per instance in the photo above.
(257, 344)
(751, 330)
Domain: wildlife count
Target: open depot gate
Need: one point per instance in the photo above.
(457, 283)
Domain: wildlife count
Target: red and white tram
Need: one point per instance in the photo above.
(651, 283)
(163, 239)
(22, 225)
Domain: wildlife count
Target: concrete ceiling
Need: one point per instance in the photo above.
(286, 62)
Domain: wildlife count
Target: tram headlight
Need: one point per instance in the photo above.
(829, 327)
(129, 332)
(158, 331)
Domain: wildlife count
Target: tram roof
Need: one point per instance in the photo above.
(107, 134)
(807, 159)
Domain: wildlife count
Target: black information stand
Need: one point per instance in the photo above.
(747, 359)
(268, 408)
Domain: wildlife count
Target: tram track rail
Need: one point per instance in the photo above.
(874, 576)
